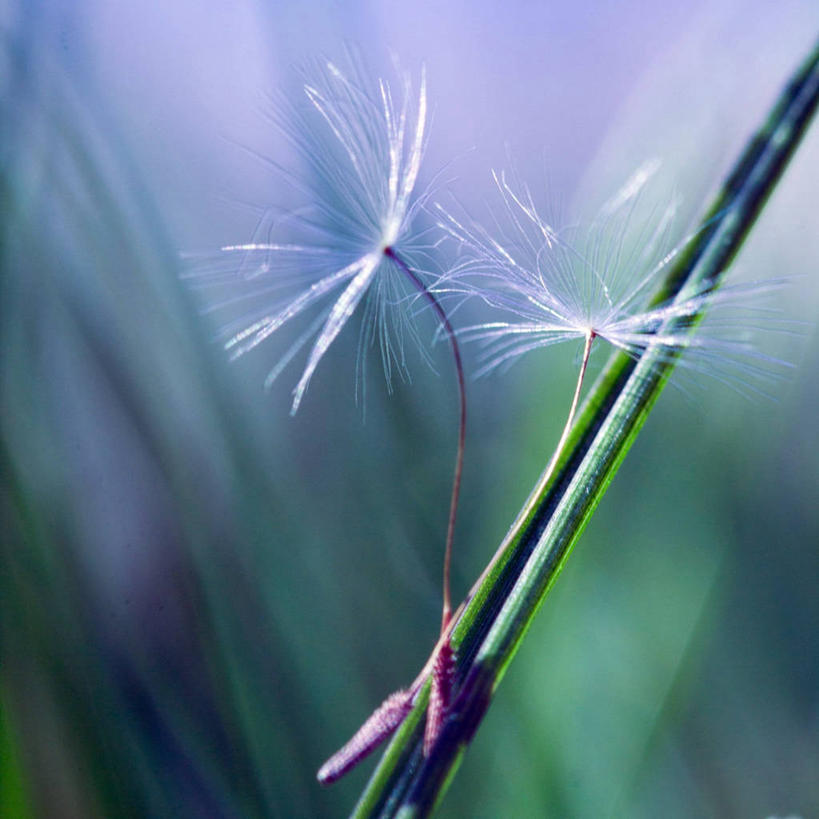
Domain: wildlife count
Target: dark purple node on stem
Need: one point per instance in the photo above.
(440, 695)
(381, 723)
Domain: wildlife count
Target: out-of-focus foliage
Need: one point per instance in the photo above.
(200, 597)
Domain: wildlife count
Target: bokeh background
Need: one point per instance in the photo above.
(201, 597)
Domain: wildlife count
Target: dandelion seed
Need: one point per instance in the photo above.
(554, 286)
(363, 147)
(551, 287)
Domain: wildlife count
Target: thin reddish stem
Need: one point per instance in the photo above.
(459, 458)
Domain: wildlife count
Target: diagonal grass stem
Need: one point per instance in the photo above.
(494, 619)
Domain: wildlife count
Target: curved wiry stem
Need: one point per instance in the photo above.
(441, 663)
(544, 479)
(459, 458)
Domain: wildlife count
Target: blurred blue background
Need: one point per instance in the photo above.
(201, 598)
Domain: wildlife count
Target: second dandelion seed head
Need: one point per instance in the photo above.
(549, 285)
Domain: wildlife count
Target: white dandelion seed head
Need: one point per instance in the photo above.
(551, 284)
(361, 144)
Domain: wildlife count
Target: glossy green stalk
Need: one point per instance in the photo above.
(501, 607)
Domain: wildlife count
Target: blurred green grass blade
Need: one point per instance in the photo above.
(139, 523)
(13, 791)
(498, 616)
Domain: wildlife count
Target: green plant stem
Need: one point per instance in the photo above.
(499, 610)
